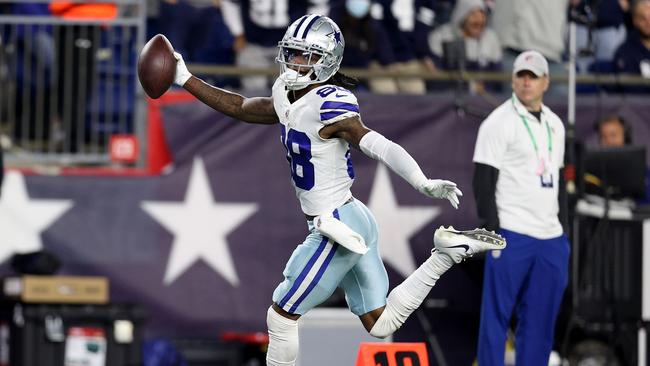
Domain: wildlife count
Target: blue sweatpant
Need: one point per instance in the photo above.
(528, 277)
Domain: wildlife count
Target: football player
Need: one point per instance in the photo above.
(319, 121)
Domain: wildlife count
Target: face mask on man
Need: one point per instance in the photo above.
(357, 8)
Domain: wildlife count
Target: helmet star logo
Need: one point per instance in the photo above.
(337, 36)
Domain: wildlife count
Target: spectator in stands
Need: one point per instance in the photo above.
(601, 30)
(365, 42)
(633, 56)
(468, 25)
(187, 24)
(76, 65)
(257, 25)
(34, 50)
(408, 24)
(443, 10)
(535, 25)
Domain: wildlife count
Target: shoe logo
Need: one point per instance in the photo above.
(464, 246)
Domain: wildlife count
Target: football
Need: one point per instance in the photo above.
(156, 66)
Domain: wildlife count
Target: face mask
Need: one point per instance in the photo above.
(357, 8)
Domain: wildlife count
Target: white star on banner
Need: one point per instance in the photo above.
(397, 223)
(200, 227)
(22, 220)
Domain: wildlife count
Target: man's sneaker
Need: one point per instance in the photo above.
(460, 245)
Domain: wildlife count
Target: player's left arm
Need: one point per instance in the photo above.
(258, 110)
(393, 155)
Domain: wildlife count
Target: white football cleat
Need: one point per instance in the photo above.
(460, 245)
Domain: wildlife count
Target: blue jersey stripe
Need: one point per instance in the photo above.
(295, 32)
(329, 115)
(317, 278)
(304, 273)
(304, 34)
(340, 105)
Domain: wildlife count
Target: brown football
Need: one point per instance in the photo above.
(156, 66)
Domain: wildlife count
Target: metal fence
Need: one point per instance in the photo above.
(67, 86)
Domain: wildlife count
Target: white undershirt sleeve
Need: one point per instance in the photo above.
(394, 156)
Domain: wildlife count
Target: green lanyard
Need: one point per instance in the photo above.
(530, 133)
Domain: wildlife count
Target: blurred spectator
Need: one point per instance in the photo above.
(533, 24)
(36, 62)
(613, 131)
(257, 25)
(443, 10)
(366, 42)
(633, 56)
(188, 25)
(467, 28)
(197, 29)
(601, 30)
(408, 24)
(76, 65)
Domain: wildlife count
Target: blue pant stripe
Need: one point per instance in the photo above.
(316, 279)
(304, 272)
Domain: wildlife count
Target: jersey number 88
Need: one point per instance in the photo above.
(298, 148)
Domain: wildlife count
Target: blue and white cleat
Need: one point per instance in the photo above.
(460, 245)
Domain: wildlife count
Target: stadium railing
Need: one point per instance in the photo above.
(68, 85)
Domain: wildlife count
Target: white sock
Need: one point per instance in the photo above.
(283, 339)
(407, 296)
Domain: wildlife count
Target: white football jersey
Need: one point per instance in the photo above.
(321, 169)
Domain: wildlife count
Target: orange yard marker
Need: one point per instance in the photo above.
(392, 354)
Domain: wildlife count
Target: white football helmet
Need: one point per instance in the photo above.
(320, 42)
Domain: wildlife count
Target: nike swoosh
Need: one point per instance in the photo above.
(465, 246)
(340, 95)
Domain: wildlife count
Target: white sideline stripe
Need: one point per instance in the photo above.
(310, 276)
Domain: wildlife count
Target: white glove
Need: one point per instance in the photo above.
(439, 188)
(182, 73)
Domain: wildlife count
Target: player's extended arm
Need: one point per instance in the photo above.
(393, 155)
(252, 110)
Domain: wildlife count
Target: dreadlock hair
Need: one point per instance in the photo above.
(342, 80)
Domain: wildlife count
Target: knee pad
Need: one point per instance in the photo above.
(283, 339)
